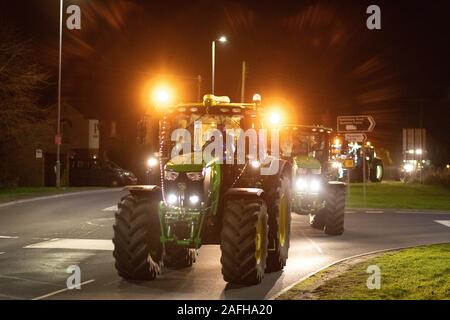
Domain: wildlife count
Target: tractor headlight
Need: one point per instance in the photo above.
(314, 185)
(194, 199)
(172, 198)
(255, 164)
(308, 185)
(301, 184)
(336, 165)
(195, 176)
(171, 175)
(152, 162)
(409, 167)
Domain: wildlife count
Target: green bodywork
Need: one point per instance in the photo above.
(306, 162)
(305, 202)
(193, 218)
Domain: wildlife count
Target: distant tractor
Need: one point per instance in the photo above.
(315, 189)
(362, 156)
(200, 201)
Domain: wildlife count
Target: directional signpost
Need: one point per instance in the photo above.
(354, 129)
(356, 137)
(347, 124)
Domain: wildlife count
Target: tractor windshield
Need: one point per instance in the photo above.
(300, 143)
(200, 127)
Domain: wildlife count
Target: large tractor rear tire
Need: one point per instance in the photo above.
(137, 248)
(179, 257)
(335, 209)
(377, 171)
(279, 225)
(244, 240)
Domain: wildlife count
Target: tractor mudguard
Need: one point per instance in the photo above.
(284, 167)
(144, 190)
(336, 183)
(212, 230)
(244, 192)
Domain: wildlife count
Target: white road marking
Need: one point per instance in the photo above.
(315, 245)
(348, 211)
(2, 252)
(60, 291)
(443, 222)
(74, 244)
(423, 212)
(8, 237)
(113, 208)
(62, 195)
(374, 211)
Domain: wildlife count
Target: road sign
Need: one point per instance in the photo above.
(355, 137)
(355, 124)
(57, 139)
(38, 153)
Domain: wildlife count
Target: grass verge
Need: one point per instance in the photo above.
(421, 273)
(399, 196)
(11, 194)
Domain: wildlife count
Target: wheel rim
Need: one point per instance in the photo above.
(282, 220)
(258, 240)
(379, 172)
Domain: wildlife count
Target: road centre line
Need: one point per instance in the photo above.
(60, 195)
(112, 208)
(8, 237)
(315, 245)
(443, 222)
(60, 291)
(74, 244)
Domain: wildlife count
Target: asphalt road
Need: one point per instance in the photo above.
(40, 239)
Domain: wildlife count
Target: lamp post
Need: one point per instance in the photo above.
(222, 39)
(58, 125)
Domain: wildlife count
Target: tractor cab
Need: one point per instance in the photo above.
(213, 190)
(315, 189)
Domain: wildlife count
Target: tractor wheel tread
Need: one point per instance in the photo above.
(238, 242)
(136, 238)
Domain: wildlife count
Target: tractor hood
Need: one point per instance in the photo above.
(186, 163)
(306, 162)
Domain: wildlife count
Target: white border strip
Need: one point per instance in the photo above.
(60, 195)
(395, 210)
(60, 291)
(276, 295)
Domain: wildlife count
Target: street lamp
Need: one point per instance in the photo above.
(222, 39)
(58, 125)
(162, 96)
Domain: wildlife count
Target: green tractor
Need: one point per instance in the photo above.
(316, 191)
(207, 200)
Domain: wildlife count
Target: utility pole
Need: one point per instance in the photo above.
(244, 74)
(199, 88)
(213, 54)
(58, 139)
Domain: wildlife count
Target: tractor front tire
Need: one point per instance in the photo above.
(279, 225)
(179, 257)
(335, 209)
(137, 248)
(317, 220)
(244, 240)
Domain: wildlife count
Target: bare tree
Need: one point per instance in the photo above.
(23, 123)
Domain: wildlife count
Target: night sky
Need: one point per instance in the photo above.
(316, 58)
